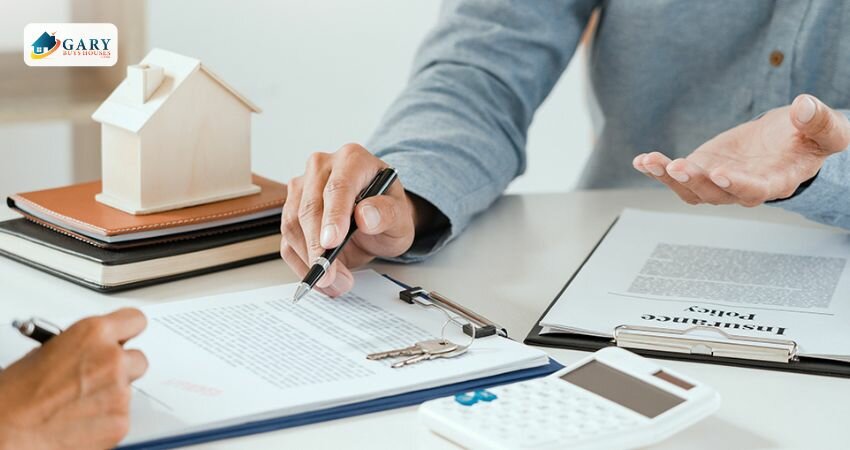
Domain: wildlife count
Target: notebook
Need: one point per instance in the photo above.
(73, 210)
(167, 239)
(109, 270)
(248, 360)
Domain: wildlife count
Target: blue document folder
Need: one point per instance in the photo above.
(370, 406)
(354, 409)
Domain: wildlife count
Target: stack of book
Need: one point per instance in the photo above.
(67, 233)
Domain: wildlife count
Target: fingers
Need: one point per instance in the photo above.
(377, 215)
(292, 233)
(343, 281)
(124, 324)
(748, 190)
(697, 180)
(79, 382)
(386, 216)
(136, 364)
(318, 212)
(688, 180)
(353, 170)
(830, 129)
(311, 210)
(312, 202)
(290, 223)
(96, 353)
(654, 165)
(292, 259)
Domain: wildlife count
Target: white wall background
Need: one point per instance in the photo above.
(323, 72)
(14, 15)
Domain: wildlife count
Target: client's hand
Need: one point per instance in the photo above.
(318, 211)
(761, 160)
(74, 391)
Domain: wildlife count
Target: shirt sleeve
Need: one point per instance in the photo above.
(827, 198)
(457, 133)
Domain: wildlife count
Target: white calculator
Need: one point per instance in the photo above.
(613, 399)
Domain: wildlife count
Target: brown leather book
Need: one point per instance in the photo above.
(73, 210)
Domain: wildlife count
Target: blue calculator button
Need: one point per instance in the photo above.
(485, 395)
(471, 398)
(467, 398)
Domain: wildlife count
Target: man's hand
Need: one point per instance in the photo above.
(766, 159)
(74, 391)
(318, 211)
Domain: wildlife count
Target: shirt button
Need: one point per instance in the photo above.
(776, 58)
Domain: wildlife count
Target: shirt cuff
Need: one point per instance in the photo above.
(825, 200)
(426, 184)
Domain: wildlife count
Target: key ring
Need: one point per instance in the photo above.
(454, 319)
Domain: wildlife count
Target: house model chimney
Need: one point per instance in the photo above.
(143, 80)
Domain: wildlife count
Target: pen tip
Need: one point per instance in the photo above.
(300, 292)
(16, 323)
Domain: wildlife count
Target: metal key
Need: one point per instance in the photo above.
(432, 346)
(453, 352)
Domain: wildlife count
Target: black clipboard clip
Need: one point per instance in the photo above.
(482, 326)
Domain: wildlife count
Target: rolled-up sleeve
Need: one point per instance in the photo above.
(457, 133)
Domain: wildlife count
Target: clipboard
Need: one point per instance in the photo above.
(413, 296)
(339, 412)
(688, 345)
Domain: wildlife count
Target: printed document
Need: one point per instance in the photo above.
(745, 278)
(254, 355)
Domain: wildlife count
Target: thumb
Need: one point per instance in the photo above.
(386, 224)
(377, 215)
(830, 129)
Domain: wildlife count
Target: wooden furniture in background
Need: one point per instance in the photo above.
(34, 94)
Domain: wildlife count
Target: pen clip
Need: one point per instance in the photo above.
(383, 179)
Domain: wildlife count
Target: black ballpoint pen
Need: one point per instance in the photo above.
(379, 185)
(33, 330)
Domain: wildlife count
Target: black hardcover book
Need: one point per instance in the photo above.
(110, 270)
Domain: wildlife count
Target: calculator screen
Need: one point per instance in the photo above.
(608, 382)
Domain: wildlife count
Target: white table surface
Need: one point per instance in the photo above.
(508, 266)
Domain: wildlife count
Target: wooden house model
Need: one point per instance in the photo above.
(173, 135)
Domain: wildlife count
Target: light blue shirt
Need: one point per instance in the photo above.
(668, 75)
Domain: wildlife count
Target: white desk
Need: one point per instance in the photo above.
(508, 266)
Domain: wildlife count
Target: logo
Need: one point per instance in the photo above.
(44, 46)
(70, 44)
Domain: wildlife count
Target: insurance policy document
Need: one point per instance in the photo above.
(745, 278)
(247, 356)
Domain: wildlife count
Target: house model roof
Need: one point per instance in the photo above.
(121, 111)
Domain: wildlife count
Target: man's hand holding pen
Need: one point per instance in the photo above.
(320, 207)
